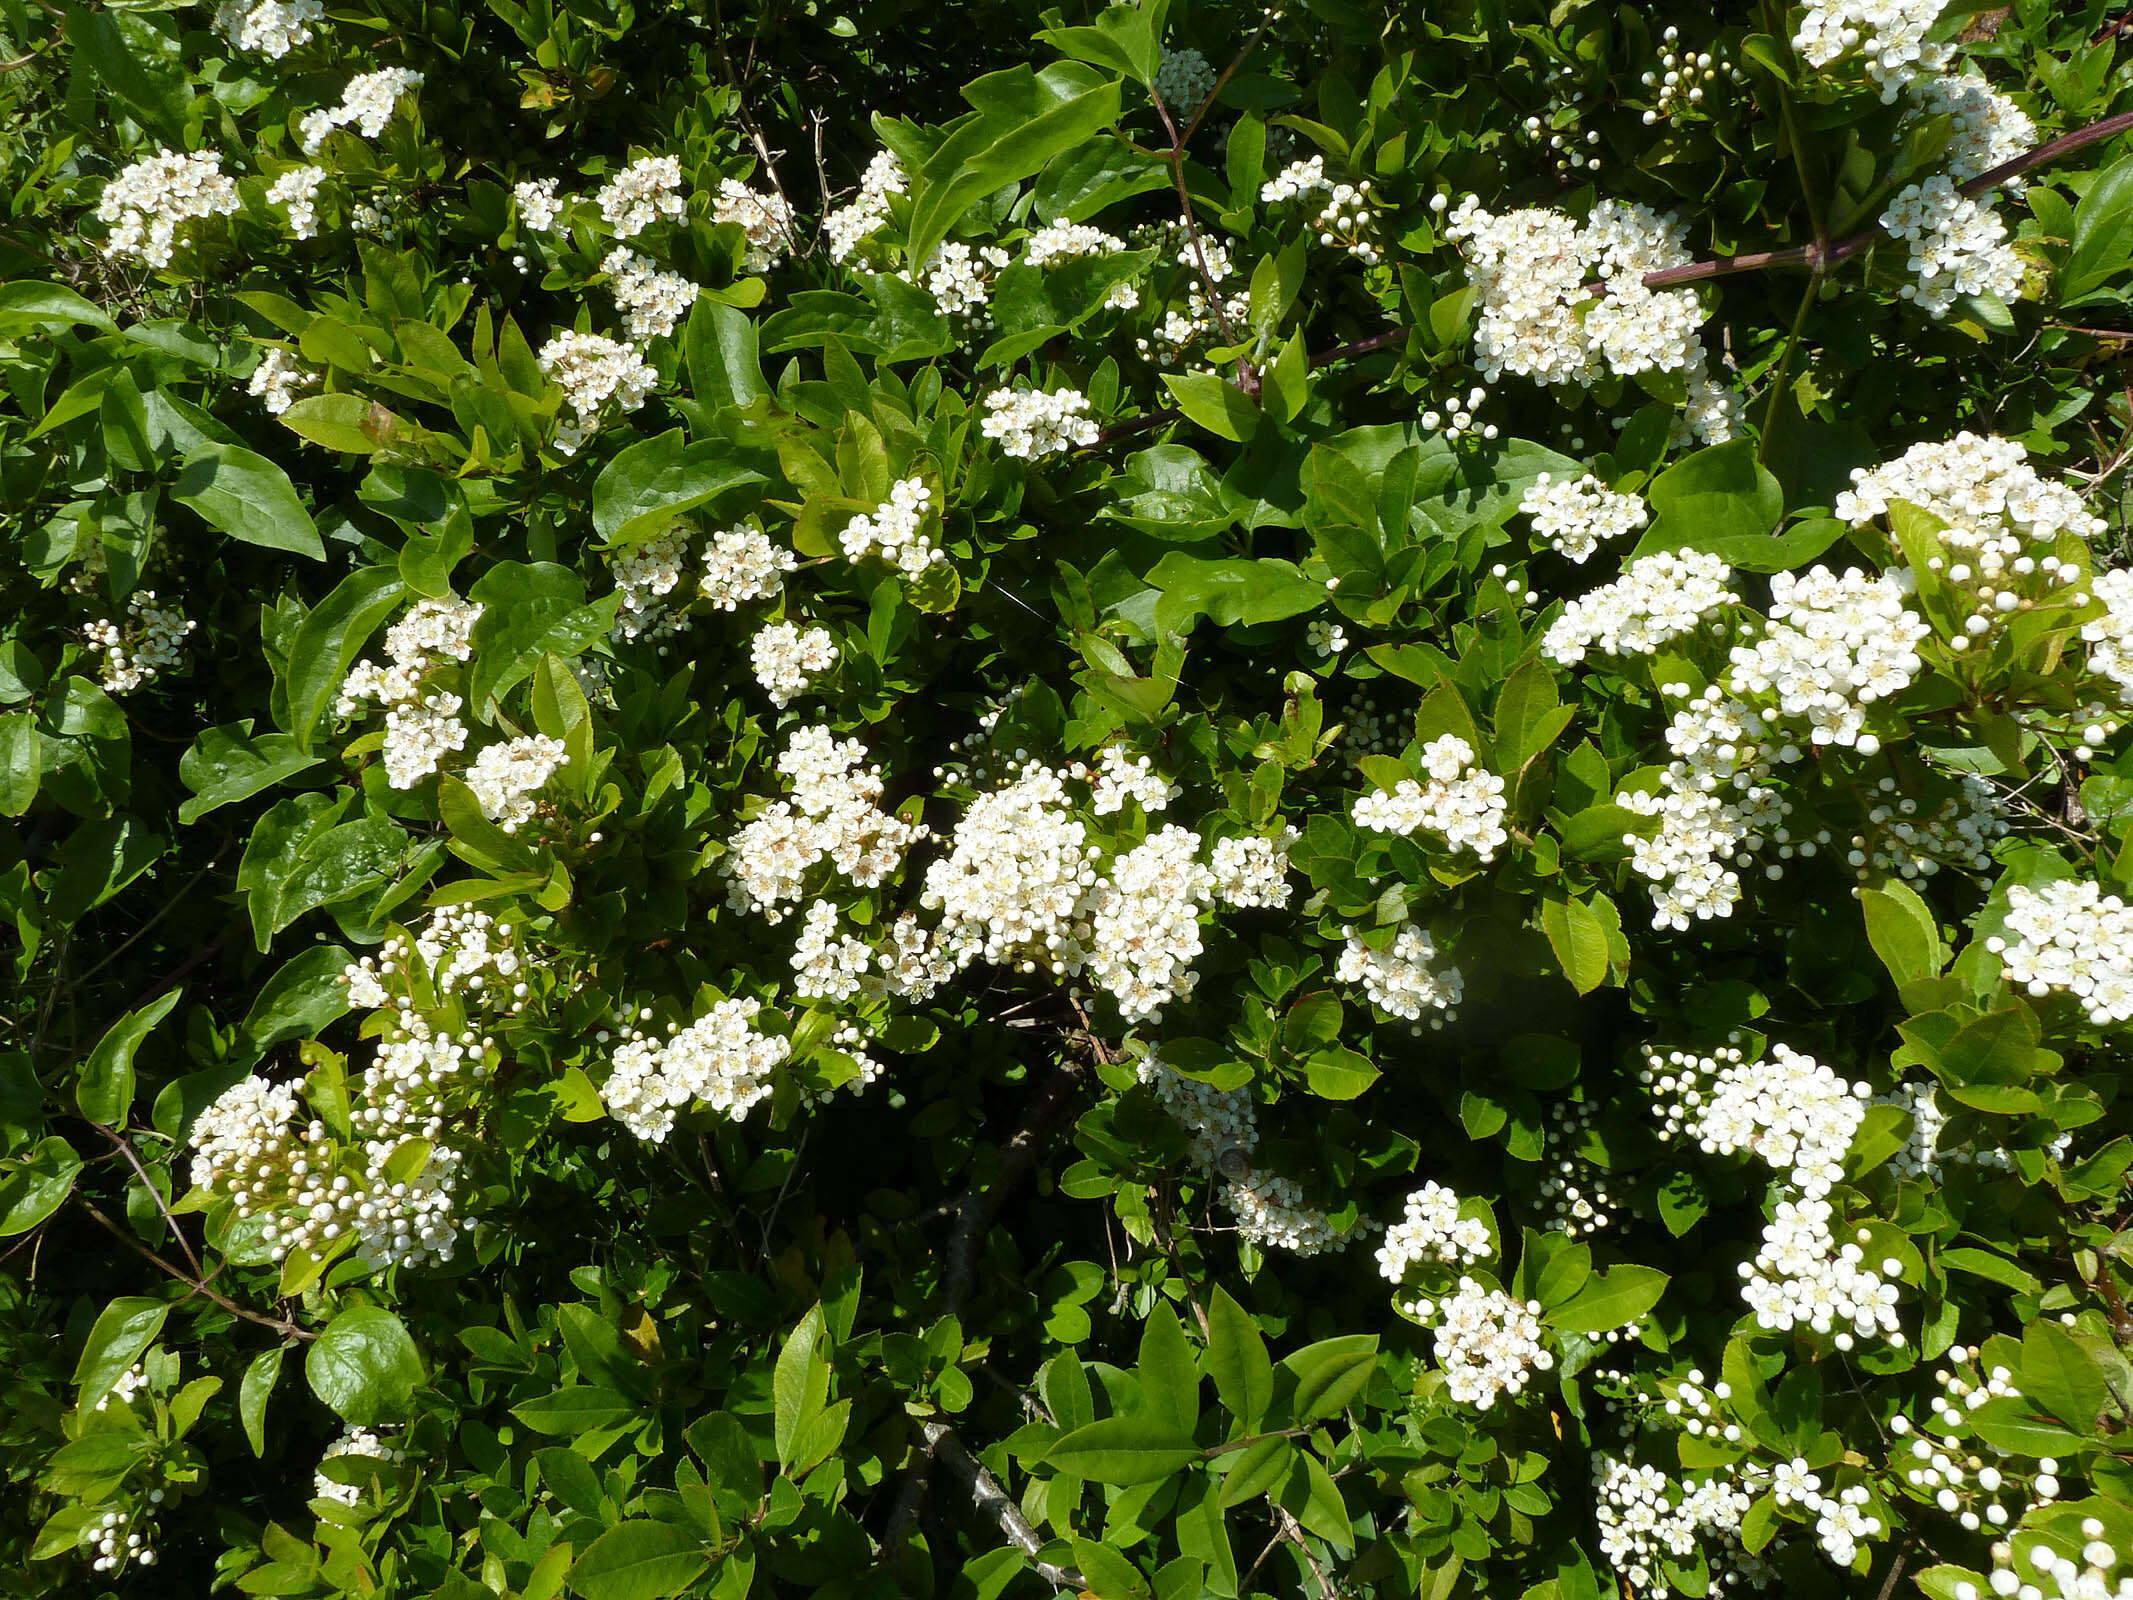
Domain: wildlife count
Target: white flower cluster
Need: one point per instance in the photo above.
(1711, 807)
(1224, 1128)
(272, 27)
(2090, 1578)
(1253, 871)
(1487, 1343)
(1122, 776)
(304, 1184)
(1990, 129)
(763, 216)
(1463, 807)
(1400, 980)
(1913, 842)
(1835, 645)
(278, 379)
(1017, 883)
(960, 278)
(151, 641)
(1799, 1117)
(2110, 636)
(1573, 1189)
(1034, 422)
(1792, 1112)
(827, 965)
(353, 1441)
(1532, 267)
(646, 575)
(646, 191)
(1988, 495)
(1958, 247)
(1889, 34)
(1345, 214)
(1657, 600)
(420, 729)
(1952, 1472)
(653, 302)
(1922, 1155)
(1576, 516)
(1297, 178)
(146, 204)
(1184, 80)
(298, 190)
(1682, 77)
(117, 1541)
(1432, 1232)
(1145, 927)
(1068, 241)
(787, 658)
(719, 1059)
(594, 369)
(869, 210)
(505, 777)
(540, 206)
(2070, 935)
(1647, 1522)
(366, 104)
(741, 565)
(894, 529)
(464, 950)
(124, 1387)
(1457, 416)
(834, 813)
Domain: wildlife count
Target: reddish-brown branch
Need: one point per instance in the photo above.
(287, 1330)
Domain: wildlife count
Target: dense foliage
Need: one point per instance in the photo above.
(1161, 800)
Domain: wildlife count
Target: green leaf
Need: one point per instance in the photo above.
(1901, 928)
(639, 1560)
(2058, 1374)
(1237, 1360)
(231, 763)
(1230, 592)
(1721, 499)
(123, 1331)
(719, 346)
(1170, 1383)
(1214, 403)
(1579, 939)
(305, 993)
(1124, 1450)
(800, 1385)
(35, 1185)
(364, 1366)
(1322, 1378)
(528, 610)
(329, 640)
(253, 1393)
(654, 480)
(2011, 1425)
(1338, 1073)
(1529, 718)
(21, 757)
(105, 1091)
(2103, 234)
(344, 422)
(1611, 1299)
(31, 304)
(577, 1408)
(247, 497)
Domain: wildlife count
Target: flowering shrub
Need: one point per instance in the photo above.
(774, 783)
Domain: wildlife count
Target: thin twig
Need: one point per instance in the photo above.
(990, 1498)
(125, 1148)
(287, 1330)
(1247, 379)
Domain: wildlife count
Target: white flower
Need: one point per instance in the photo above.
(1432, 1231)
(1465, 808)
(847, 226)
(505, 777)
(2110, 636)
(1146, 924)
(1488, 1343)
(367, 103)
(1400, 980)
(540, 207)
(145, 205)
(834, 813)
(1253, 871)
(763, 216)
(272, 27)
(419, 735)
(354, 1441)
(1656, 601)
(2069, 935)
(646, 191)
(1990, 129)
(1033, 422)
(1835, 645)
(741, 565)
(1889, 34)
(277, 380)
(788, 658)
(1122, 776)
(150, 642)
(719, 1059)
(1018, 879)
(298, 190)
(893, 528)
(1957, 246)
(1574, 517)
(646, 574)
(593, 370)
(653, 302)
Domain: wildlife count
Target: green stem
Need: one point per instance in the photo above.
(1210, 1453)
(1784, 366)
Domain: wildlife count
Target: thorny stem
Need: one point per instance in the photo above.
(990, 1498)
(287, 1330)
